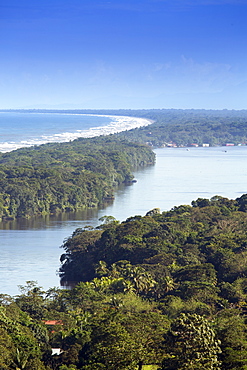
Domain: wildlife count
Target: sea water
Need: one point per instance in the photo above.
(22, 129)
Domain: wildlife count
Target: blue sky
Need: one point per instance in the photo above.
(123, 54)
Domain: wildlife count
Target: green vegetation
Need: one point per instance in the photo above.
(189, 263)
(163, 291)
(66, 177)
(188, 127)
(160, 292)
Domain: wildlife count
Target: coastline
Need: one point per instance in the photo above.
(116, 125)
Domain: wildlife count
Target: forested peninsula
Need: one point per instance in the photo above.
(165, 291)
(64, 177)
(59, 177)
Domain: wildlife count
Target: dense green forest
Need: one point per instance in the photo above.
(164, 291)
(188, 127)
(68, 176)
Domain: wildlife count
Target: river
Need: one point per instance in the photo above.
(30, 248)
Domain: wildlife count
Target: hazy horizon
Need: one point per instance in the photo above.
(123, 54)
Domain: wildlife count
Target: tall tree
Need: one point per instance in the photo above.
(192, 345)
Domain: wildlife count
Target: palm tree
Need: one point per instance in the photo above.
(102, 269)
(169, 284)
(142, 280)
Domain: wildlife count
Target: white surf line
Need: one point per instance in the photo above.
(118, 124)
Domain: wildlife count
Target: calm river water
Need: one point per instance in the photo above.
(30, 249)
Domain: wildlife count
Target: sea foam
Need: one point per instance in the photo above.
(117, 124)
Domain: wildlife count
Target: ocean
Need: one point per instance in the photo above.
(25, 129)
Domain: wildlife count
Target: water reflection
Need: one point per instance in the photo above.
(51, 221)
(30, 248)
(82, 217)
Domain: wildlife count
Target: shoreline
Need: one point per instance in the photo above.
(116, 125)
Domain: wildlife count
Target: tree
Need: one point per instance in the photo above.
(231, 329)
(6, 349)
(111, 348)
(147, 330)
(192, 345)
(31, 300)
(107, 221)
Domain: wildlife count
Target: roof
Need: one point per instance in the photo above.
(53, 322)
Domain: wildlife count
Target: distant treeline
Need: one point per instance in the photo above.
(68, 176)
(188, 127)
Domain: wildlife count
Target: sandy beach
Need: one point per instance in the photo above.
(118, 124)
